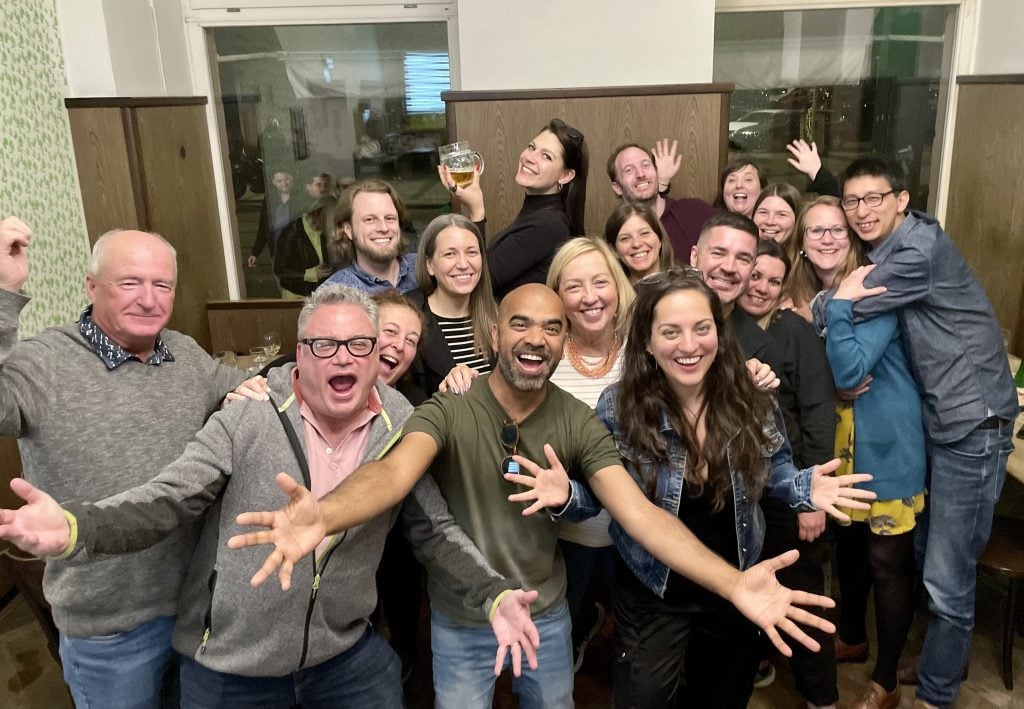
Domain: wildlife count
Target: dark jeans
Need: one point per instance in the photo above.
(659, 646)
(813, 672)
(366, 675)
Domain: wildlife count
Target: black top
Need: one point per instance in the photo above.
(825, 183)
(434, 358)
(294, 255)
(522, 253)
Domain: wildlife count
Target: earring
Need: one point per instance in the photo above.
(560, 186)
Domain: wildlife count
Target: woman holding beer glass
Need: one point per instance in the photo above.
(553, 171)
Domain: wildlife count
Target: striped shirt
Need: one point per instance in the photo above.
(458, 335)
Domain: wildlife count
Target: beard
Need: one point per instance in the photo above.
(381, 257)
(519, 380)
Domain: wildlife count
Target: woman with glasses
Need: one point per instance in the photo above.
(553, 171)
(879, 432)
(639, 239)
(596, 296)
(452, 273)
(703, 443)
(808, 407)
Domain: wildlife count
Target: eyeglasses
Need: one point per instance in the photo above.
(838, 231)
(671, 272)
(509, 438)
(871, 199)
(324, 347)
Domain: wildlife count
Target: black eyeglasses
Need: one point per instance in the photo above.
(509, 438)
(817, 233)
(325, 347)
(871, 199)
(671, 272)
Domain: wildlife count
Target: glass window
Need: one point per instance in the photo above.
(857, 82)
(310, 109)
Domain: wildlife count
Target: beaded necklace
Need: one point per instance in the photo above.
(604, 365)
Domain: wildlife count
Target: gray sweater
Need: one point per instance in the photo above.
(87, 433)
(224, 623)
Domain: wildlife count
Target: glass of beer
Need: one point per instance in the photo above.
(461, 161)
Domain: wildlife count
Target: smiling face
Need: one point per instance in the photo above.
(636, 176)
(132, 293)
(588, 294)
(400, 332)
(542, 165)
(456, 262)
(726, 257)
(684, 341)
(874, 224)
(529, 336)
(765, 287)
(741, 189)
(337, 388)
(282, 182)
(775, 219)
(374, 230)
(828, 254)
(639, 246)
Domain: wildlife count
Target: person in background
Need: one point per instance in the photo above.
(596, 296)
(775, 211)
(739, 184)
(808, 409)
(301, 255)
(639, 239)
(277, 212)
(553, 171)
(368, 249)
(641, 176)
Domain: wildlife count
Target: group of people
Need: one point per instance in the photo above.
(652, 418)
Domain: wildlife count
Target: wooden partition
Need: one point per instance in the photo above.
(145, 163)
(236, 325)
(499, 124)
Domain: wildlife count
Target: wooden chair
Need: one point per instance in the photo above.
(1004, 557)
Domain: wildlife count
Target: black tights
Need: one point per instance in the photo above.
(864, 559)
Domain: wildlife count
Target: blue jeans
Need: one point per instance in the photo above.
(966, 479)
(464, 664)
(368, 674)
(121, 670)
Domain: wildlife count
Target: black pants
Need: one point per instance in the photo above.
(659, 647)
(813, 672)
(399, 592)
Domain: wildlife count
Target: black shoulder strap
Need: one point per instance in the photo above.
(293, 438)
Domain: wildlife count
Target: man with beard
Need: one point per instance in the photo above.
(468, 443)
(368, 243)
(642, 176)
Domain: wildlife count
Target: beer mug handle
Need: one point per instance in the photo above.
(480, 161)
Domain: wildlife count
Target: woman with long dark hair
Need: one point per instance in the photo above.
(639, 239)
(553, 171)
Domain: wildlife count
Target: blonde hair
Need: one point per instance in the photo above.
(804, 282)
(580, 245)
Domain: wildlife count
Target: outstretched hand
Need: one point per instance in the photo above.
(294, 530)
(829, 492)
(15, 236)
(39, 527)
(666, 160)
(515, 632)
(764, 601)
(548, 487)
(805, 157)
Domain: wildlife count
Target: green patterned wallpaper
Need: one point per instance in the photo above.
(37, 169)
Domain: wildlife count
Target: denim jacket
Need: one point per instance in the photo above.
(785, 482)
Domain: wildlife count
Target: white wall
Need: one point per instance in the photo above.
(534, 44)
(1000, 28)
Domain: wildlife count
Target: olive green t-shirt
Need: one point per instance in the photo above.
(467, 469)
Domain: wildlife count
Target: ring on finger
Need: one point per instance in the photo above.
(453, 188)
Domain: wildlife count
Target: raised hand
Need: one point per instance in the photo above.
(15, 236)
(39, 527)
(805, 157)
(515, 631)
(853, 288)
(829, 492)
(548, 487)
(764, 601)
(294, 530)
(471, 195)
(666, 160)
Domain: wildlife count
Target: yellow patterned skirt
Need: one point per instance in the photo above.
(886, 517)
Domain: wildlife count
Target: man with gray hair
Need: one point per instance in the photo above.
(239, 644)
(99, 406)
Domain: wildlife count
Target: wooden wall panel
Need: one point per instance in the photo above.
(985, 213)
(10, 468)
(500, 124)
(103, 170)
(236, 325)
(176, 173)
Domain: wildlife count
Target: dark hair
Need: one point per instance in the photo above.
(735, 165)
(875, 167)
(576, 158)
(341, 246)
(621, 214)
(482, 310)
(615, 154)
(767, 247)
(734, 409)
(730, 219)
(784, 191)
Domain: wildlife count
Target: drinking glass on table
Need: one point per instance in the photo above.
(271, 342)
(259, 358)
(227, 357)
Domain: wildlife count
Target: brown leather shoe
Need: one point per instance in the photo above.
(875, 697)
(858, 652)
